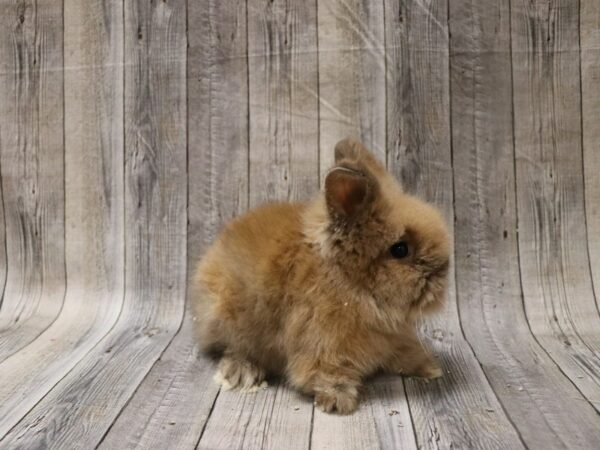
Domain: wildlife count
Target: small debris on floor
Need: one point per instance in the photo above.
(393, 412)
(520, 388)
(579, 376)
(401, 425)
(151, 332)
(296, 408)
(171, 423)
(489, 409)
(345, 303)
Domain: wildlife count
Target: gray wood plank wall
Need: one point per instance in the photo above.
(130, 132)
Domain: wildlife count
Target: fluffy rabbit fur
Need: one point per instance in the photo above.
(315, 291)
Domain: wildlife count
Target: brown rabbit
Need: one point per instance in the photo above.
(325, 292)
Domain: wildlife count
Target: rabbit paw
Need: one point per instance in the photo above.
(239, 374)
(429, 370)
(343, 401)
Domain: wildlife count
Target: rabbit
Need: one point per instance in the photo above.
(325, 293)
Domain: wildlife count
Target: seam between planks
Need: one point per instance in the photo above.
(5, 233)
(412, 419)
(312, 411)
(385, 97)
(212, 407)
(248, 112)
(318, 117)
(312, 425)
(64, 153)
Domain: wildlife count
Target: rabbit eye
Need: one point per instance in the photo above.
(399, 250)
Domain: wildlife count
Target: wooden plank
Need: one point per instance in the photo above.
(282, 70)
(32, 170)
(155, 225)
(218, 116)
(172, 405)
(3, 259)
(283, 156)
(272, 418)
(93, 207)
(542, 404)
(352, 68)
(460, 409)
(589, 22)
(390, 410)
(555, 269)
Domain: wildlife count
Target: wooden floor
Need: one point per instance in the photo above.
(130, 131)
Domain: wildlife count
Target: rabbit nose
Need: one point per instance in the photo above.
(443, 268)
(437, 269)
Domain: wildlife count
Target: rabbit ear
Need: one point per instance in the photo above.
(347, 192)
(354, 152)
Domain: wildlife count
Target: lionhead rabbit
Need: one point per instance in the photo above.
(325, 292)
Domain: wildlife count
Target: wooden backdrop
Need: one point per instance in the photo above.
(131, 130)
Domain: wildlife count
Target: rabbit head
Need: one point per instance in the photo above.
(381, 240)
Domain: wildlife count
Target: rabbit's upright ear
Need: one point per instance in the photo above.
(347, 192)
(354, 152)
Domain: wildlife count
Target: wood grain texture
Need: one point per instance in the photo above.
(489, 109)
(391, 412)
(32, 169)
(589, 36)
(171, 406)
(3, 261)
(155, 230)
(460, 409)
(218, 118)
(93, 179)
(555, 269)
(488, 283)
(282, 71)
(352, 64)
(272, 418)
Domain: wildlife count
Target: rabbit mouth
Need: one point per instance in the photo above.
(435, 282)
(425, 297)
(421, 298)
(431, 293)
